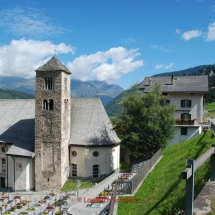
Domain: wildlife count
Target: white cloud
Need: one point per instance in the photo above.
(30, 21)
(161, 48)
(22, 57)
(211, 32)
(213, 7)
(159, 66)
(177, 31)
(191, 34)
(169, 66)
(108, 66)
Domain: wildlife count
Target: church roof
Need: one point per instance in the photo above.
(90, 124)
(17, 125)
(53, 65)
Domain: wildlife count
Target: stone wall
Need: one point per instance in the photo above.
(52, 131)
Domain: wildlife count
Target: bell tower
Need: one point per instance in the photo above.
(52, 125)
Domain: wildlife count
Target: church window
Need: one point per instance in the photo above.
(95, 171)
(49, 83)
(95, 154)
(3, 149)
(74, 169)
(74, 153)
(3, 163)
(45, 105)
(48, 105)
(51, 104)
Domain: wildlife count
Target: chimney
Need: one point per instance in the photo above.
(172, 80)
(150, 81)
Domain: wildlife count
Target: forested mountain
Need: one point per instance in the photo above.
(114, 106)
(106, 92)
(184, 71)
(12, 94)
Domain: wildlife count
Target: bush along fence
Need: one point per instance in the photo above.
(144, 170)
(188, 175)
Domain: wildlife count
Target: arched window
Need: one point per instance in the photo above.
(51, 104)
(95, 171)
(48, 105)
(49, 83)
(74, 169)
(45, 104)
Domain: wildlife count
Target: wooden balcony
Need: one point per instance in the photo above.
(185, 122)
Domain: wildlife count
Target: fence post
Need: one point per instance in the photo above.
(212, 167)
(189, 189)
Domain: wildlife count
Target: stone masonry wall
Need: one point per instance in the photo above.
(51, 140)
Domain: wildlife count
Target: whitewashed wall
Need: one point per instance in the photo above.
(108, 160)
(79, 159)
(24, 178)
(116, 157)
(196, 110)
(191, 132)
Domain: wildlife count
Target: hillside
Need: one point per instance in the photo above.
(12, 94)
(106, 92)
(163, 190)
(185, 71)
(114, 106)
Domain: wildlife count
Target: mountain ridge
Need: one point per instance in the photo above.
(106, 92)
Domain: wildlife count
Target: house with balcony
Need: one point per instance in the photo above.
(187, 93)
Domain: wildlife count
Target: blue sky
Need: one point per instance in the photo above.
(118, 41)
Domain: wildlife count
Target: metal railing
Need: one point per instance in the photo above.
(113, 200)
(184, 122)
(143, 172)
(213, 127)
(188, 175)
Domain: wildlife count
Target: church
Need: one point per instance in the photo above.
(52, 138)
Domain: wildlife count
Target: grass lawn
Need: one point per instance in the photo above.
(71, 184)
(163, 191)
(210, 107)
(211, 114)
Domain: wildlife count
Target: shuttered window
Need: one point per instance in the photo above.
(186, 103)
(183, 131)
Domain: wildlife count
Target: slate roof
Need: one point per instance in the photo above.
(190, 84)
(53, 65)
(17, 125)
(90, 124)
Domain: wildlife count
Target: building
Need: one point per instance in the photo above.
(187, 93)
(45, 141)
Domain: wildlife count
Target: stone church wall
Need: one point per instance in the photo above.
(52, 131)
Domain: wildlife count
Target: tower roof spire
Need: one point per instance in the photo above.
(53, 65)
